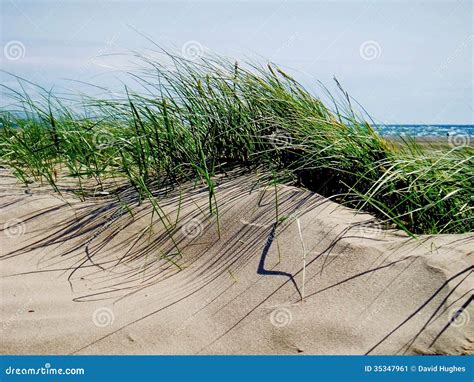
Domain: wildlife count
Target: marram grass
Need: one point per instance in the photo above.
(200, 119)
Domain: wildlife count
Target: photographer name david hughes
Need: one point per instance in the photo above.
(441, 369)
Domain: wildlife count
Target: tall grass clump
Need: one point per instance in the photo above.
(197, 119)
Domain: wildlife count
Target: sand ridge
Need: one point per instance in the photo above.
(92, 278)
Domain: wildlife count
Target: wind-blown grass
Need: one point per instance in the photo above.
(199, 119)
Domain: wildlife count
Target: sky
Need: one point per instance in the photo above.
(405, 62)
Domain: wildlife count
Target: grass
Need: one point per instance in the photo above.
(195, 120)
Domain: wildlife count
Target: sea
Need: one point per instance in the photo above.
(425, 130)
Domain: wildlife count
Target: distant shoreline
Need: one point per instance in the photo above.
(433, 141)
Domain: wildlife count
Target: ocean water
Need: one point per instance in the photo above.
(425, 130)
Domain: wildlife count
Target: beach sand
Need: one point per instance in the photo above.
(438, 143)
(74, 283)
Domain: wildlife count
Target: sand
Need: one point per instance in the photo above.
(88, 278)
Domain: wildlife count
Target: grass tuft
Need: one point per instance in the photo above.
(200, 119)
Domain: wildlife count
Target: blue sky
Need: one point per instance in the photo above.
(404, 61)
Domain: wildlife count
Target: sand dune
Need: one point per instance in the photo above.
(90, 278)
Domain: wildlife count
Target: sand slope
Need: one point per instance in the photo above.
(88, 278)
